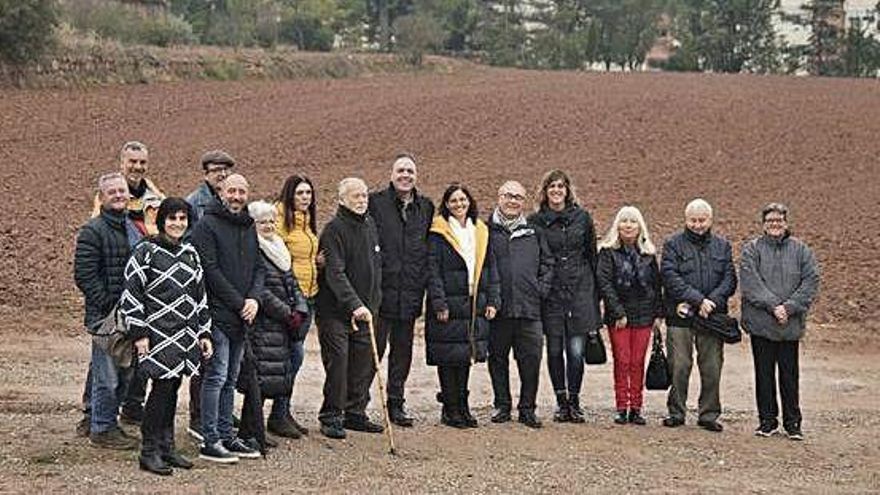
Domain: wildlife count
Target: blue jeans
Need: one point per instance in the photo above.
(218, 388)
(109, 383)
(569, 369)
(281, 405)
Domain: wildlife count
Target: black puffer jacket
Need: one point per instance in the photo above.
(525, 269)
(404, 251)
(695, 267)
(164, 300)
(352, 274)
(227, 244)
(102, 250)
(464, 338)
(641, 302)
(272, 338)
(574, 296)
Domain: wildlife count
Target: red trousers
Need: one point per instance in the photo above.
(629, 346)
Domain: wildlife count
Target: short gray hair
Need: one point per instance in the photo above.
(105, 178)
(698, 205)
(259, 210)
(133, 146)
(346, 184)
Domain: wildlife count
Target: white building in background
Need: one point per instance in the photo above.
(798, 35)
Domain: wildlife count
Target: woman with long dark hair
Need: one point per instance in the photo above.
(463, 295)
(571, 310)
(296, 224)
(166, 315)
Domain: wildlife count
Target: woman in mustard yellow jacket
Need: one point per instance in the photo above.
(296, 224)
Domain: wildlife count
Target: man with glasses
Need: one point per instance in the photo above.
(217, 165)
(403, 217)
(780, 278)
(525, 268)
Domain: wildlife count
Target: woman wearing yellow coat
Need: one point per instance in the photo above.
(296, 224)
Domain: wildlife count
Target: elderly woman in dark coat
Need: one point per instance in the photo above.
(277, 329)
(166, 315)
(463, 295)
(571, 310)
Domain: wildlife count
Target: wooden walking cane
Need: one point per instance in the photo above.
(389, 433)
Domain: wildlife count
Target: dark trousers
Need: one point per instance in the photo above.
(195, 395)
(525, 337)
(399, 334)
(454, 386)
(157, 428)
(768, 356)
(348, 367)
(133, 405)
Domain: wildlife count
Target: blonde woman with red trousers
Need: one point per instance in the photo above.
(629, 282)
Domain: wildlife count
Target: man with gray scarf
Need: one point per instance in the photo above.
(780, 278)
(525, 268)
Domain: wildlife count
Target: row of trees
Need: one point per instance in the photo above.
(706, 35)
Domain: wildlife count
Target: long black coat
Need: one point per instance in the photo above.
(352, 274)
(464, 338)
(271, 338)
(525, 269)
(404, 251)
(574, 297)
(102, 249)
(227, 244)
(640, 303)
(165, 300)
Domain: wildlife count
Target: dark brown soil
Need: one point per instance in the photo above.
(655, 140)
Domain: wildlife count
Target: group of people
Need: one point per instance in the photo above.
(225, 290)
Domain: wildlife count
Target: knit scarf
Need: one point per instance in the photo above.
(275, 249)
(510, 224)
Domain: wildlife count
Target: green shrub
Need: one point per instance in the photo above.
(124, 23)
(26, 29)
(223, 70)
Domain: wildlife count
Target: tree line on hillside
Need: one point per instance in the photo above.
(684, 35)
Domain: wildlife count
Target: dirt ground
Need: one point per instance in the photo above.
(656, 140)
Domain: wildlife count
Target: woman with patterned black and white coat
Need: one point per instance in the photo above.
(166, 315)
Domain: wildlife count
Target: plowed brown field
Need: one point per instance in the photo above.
(655, 140)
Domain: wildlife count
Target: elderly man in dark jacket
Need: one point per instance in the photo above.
(226, 240)
(403, 217)
(349, 295)
(699, 277)
(525, 270)
(102, 250)
(780, 278)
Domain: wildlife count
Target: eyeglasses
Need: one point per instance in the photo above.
(217, 169)
(265, 221)
(774, 220)
(513, 197)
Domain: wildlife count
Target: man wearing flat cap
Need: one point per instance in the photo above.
(217, 165)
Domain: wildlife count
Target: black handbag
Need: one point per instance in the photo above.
(594, 353)
(720, 325)
(657, 375)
